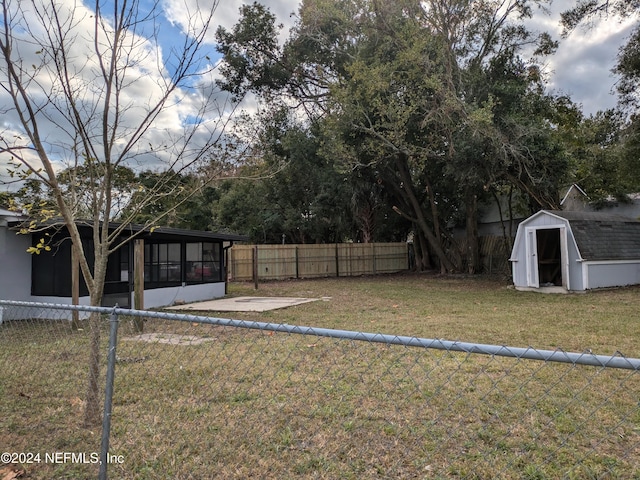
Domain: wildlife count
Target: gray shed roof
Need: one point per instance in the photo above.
(603, 236)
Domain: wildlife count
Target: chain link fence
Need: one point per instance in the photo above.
(200, 397)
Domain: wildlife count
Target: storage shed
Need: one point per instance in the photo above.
(575, 251)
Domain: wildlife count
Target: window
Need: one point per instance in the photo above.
(162, 263)
(203, 262)
(51, 271)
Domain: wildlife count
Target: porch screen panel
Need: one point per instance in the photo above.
(162, 263)
(203, 262)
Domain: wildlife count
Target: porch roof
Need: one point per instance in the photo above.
(152, 232)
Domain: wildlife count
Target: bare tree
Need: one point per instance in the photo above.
(93, 89)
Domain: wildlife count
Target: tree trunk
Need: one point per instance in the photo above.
(423, 262)
(419, 218)
(92, 411)
(506, 237)
(92, 408)
(473, 253)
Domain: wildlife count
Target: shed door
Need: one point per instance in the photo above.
(546, 257)
(532, 259)
(549, 257)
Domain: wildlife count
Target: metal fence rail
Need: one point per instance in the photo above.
(203, 397)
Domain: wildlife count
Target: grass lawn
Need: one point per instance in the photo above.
(472, 309)
(257, 404)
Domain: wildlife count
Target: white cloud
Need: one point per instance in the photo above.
(145, 81)
(227, 13)
(581, 67)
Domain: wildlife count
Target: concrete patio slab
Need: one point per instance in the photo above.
(244, 304)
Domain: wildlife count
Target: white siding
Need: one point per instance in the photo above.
(157, 297)
(614, 274)
(576, 282)
(162, 297)
(15, 266)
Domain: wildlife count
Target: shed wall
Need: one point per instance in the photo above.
(544, 220)
(618, 274)
(576, 280)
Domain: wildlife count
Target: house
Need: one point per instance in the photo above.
(576, 199)
(172, 264)
(15, 266)
(576, 251)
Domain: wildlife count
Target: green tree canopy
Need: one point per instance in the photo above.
(433, 99)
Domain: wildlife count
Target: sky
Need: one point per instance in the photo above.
(581, 69)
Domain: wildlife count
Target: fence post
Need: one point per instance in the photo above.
(108, 395)
(75, 289)
(374, 259)
(255, 266)
(138, 282)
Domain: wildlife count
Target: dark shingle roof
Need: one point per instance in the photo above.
(603, 236)
(158, 233)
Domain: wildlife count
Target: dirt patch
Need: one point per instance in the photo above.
(170, 339)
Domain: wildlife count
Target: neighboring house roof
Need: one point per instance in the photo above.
(604, 236)
(576, 191)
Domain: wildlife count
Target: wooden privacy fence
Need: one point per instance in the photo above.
(494, 255)
(279, 262)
